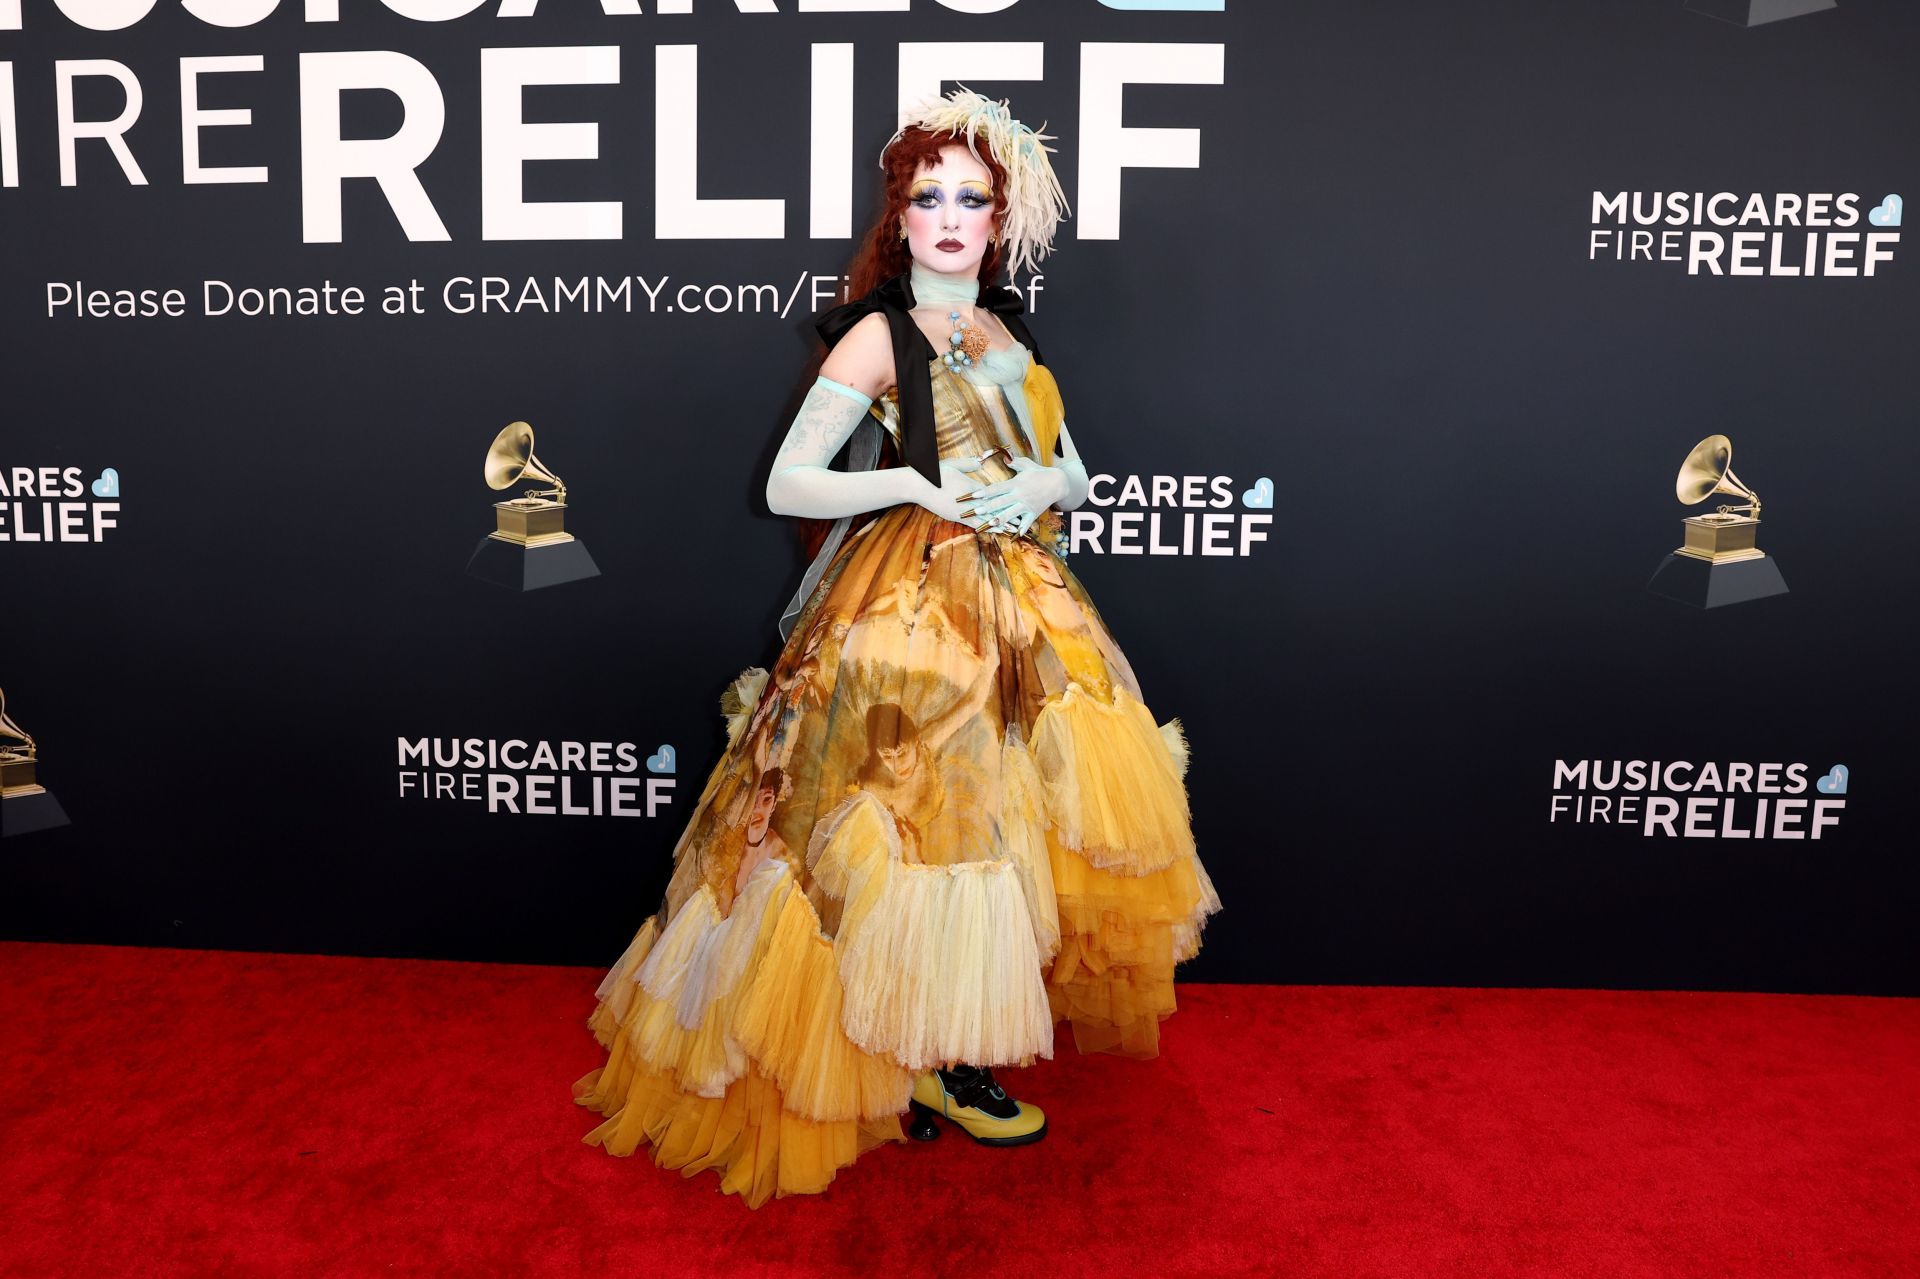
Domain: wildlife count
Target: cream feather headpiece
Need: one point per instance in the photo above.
(1034, 198)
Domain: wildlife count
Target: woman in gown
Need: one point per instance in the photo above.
(945, 820)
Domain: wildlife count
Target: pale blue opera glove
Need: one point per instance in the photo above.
(804, 483)
(1076, 474)
(1075, 471)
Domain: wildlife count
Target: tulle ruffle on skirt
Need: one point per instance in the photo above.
(944, 822)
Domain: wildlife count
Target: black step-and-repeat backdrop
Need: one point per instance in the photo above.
(1395, 335)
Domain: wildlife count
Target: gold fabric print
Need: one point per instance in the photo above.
(945, 821)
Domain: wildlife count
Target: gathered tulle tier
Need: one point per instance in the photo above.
(944, 822)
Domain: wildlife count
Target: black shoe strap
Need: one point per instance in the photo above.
(974, 1086)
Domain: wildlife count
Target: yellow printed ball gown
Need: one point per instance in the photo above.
(943, 822)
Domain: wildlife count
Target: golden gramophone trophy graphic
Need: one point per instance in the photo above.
(529, 547)
(25, 805)
(1719, 562)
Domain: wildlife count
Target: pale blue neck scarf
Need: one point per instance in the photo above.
(932, 287)
(995, 368)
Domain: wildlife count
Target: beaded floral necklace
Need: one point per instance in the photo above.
(967, 343)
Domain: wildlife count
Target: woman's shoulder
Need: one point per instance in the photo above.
(873, 328)
(862, 355)
(836, 322)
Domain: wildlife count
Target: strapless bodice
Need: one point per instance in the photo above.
(977, 409)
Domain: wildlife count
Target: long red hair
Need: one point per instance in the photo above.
(883, 252)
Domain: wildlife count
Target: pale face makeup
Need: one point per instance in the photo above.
(949, 213)
(763, 803)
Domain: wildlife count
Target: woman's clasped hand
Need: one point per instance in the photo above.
(1004, 506)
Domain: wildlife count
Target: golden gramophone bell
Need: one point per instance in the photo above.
(1729, 533)
(1709, 470)
(510, 459)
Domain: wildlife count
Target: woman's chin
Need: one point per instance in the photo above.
(950, 263)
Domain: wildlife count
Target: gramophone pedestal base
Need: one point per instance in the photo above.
(1707, 585)
(1752, 13)
(25, 814)
(529, 568)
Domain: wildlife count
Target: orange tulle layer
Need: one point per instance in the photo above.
(1120, 937)
(721, 1046)
(752, 1043)
(760, 1149)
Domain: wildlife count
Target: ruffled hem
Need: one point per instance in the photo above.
(1128, 908)
(760, 1149)
(1111, 778)
(725, 1050)
(938, 963)
(754, 1044)
(1120, 938)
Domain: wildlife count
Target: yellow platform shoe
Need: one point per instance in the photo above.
(968, 1097)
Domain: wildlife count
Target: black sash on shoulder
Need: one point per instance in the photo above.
(912, 356)
(912, 353)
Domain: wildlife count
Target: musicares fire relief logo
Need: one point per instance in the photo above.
(1170, 515)
(1820, 233)
(539, 778)
(1701, 801)
(58, 504)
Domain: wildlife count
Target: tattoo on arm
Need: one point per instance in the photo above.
(825, 420)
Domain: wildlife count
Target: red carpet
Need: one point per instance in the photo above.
(169, 1112)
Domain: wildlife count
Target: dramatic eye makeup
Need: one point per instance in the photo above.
(929, 194)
